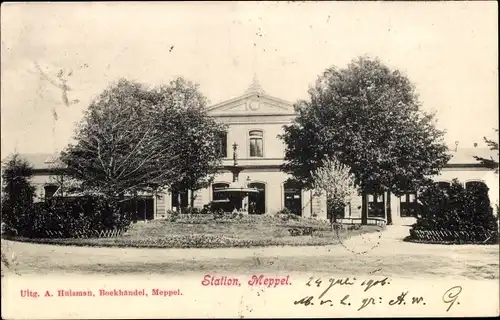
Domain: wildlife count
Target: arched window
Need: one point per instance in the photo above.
(471, 184)
(444, 185)
(218, 186)
(256, 143)
(478, 188)
(257, 201)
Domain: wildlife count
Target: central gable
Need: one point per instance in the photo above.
(255, 101)
(252, 104)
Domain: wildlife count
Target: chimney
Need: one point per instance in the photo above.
(456, 146)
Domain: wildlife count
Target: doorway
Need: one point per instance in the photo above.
(257, 201)
(293, 197)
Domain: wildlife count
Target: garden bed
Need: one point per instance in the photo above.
(188, 232)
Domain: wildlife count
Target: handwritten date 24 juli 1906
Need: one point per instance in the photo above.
(449, 297)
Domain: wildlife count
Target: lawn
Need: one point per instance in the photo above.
(203, 231)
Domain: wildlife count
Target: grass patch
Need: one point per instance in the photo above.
(207, 232)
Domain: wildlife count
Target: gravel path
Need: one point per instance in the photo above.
(365, 253)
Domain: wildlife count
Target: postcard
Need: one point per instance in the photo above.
(249, 160)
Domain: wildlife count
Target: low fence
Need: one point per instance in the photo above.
(111, 233)
(370, 221)
(454, 236)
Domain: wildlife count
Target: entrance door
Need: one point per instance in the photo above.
(257, 201)
(145, 209)
(140, 208)
(293, 197)
(175, 199)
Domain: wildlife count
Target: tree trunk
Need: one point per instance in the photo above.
(388, 206)
(364, 208)
(136, 209)
(62, 185)
(179, 202)
(191, 200)
(121, 211)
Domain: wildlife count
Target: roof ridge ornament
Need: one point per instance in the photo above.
(255, 86)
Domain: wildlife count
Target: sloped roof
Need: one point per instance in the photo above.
(41, 161)
(462, 156)
(466, 155)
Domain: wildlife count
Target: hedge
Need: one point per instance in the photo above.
(455, 215)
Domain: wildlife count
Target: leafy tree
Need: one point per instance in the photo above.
(490, 163)
(118, 148)
(369, 118)
(17, 192)
(133, 138)
(196, 135)
(335, 180)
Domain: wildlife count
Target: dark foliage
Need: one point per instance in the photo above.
(18, 193)
(491, 162)
(457, 210)
(73, 217)
(368, 117)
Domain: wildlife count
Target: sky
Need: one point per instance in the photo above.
(449, 50)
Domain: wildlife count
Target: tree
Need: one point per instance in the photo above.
(490, 163)
(118, 148)
(196, 135)
(369, 118)
(133, 138)
(336, 181)
(18, 193)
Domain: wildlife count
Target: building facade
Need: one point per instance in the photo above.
(254, 122)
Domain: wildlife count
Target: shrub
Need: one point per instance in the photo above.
(191, 210)
(72, 217)
(286, 214)
(18, 193)
(172, 216)
(456, 210)
(218, 214)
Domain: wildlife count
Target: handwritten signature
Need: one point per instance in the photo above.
(450, 297)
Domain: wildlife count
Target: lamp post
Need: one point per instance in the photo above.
(235, 169)
(235, 155)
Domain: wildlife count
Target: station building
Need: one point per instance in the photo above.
(255, 120)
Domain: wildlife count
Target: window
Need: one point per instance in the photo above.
(408, 205)
(256, 143)
(50, 190)
(477, 184)
(376, 203)
(222, 145)
(444, 185)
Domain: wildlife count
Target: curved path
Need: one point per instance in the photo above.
(365, 254)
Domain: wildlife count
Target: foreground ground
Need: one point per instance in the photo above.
(373, 253)
(205, 231)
